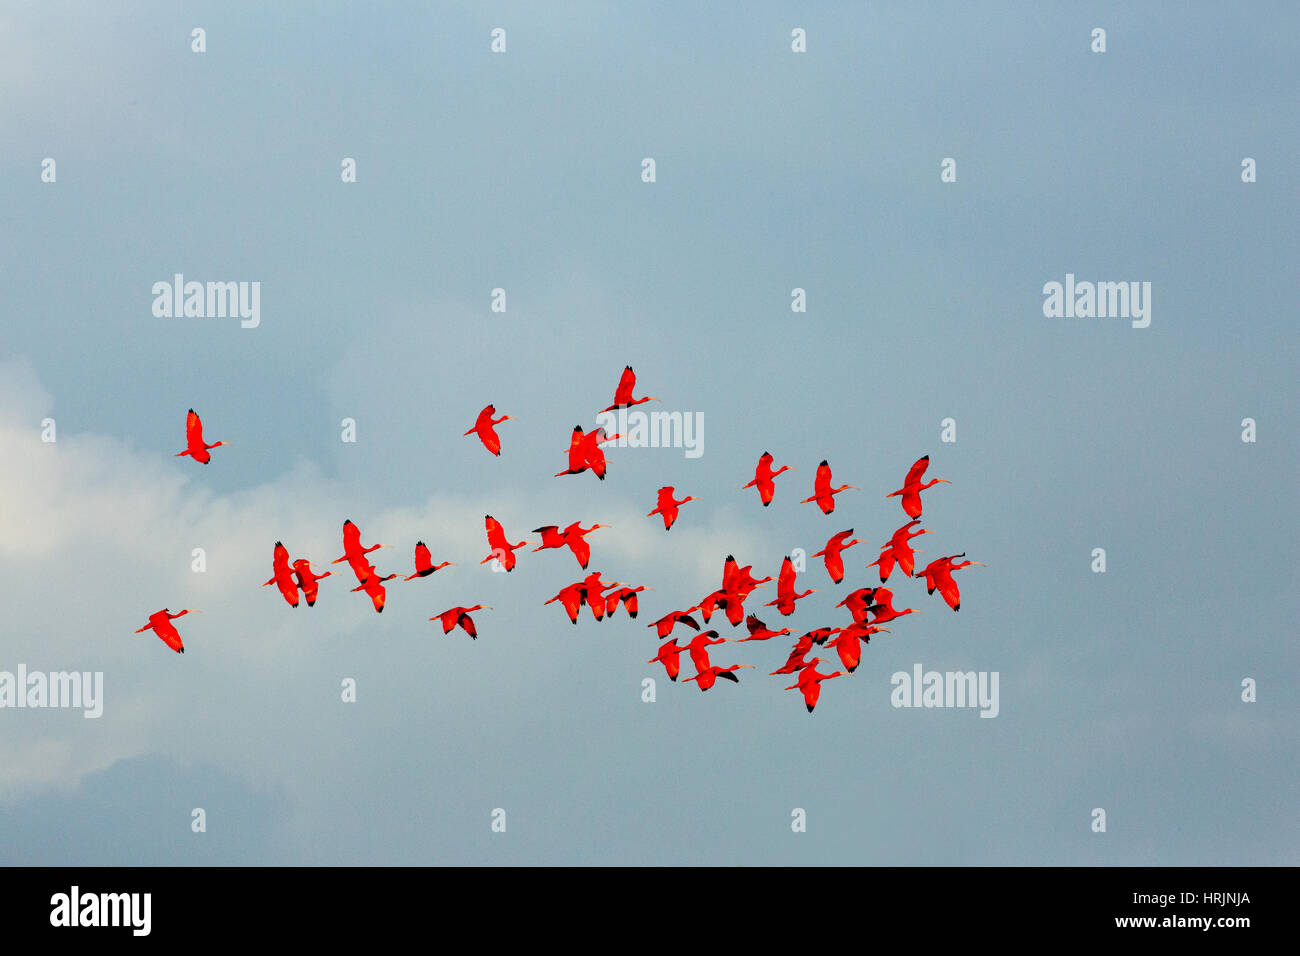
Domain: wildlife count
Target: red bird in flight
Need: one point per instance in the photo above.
(460, 615)
(820, 634)
(627, 596)
(485, 428)
(883, 609)
(375, 590)
(585, 452)
(354, 554)
(307, 580)
(899, 549)
(573, 537)
(938, 574)
(669, 655)
(849, 643)
(763, 475)
(623, 394)
(282, 574)
(571, 598)
(823, 493)
(593, 593)
(194, 446)
(859, 602)
(666, 623)
(709, 676)
(809, 683)
(785, 592)
(699, 648)
(667, 506)
(502, 550)
(160, 622)
(912, 487)
(831, 553)
(758, 631)
(424, 565)
(796, 659)
(738, 580)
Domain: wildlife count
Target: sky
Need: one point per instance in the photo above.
(775, 170)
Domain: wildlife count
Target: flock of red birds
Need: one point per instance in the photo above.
(868, 607)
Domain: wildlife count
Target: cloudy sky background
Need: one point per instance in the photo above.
(821, 171)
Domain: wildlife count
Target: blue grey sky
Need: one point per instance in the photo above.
(775, 170)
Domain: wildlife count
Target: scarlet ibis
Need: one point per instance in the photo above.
(361, 567)
(731, 602)
(823, 493)
(763, 475)
(785, 592)
(552, 537)
(831, 554)
(912, 487)
(796, 659)
(194, 445)
(859, 602)
(460, 615)
(699, 648)
(502, 550)
(629, 598)
(353, 552)
(883, 609)
(667, 506)
(571, 598)
(485, 428)
(592, 455)
(849, 643)
(819, 635)
(282, 576)
(664, 626)
(307, 580)
(573, 537)
(593, 593)
(938, 574)
(899, 550)
(160, 622)
(709, 676)
(585, 452)
(424, 565)
(669, 655)
(375, 590)
(809, 683)
(623, 394)
(739, 581)
(758, 631)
